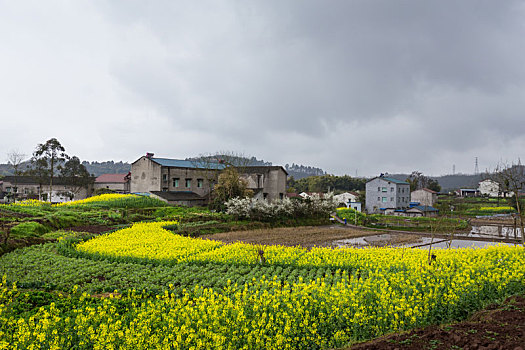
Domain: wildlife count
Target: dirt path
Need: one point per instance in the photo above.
(306, 236)
(497, 327)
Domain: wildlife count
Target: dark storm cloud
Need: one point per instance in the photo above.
(370, 85)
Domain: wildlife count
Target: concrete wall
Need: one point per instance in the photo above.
(145, 176)
(169, 174)
(381, 193)
(423, 197)
(113, 186)
(275, 184)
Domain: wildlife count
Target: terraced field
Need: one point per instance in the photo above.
(180, 292)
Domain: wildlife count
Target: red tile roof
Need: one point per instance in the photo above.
(112, 178)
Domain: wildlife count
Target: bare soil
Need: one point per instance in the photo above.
(496, 327)
(90, 228)
(305, 236)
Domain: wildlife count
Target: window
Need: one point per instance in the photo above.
(199, 183)
(391, 199)
(188, 183)
(164, 177)
(281, 196)
(175, 182)
(164, 189)
(379, 189)
(383, 189)
(383, 199)
(378, 198)
(391, 189)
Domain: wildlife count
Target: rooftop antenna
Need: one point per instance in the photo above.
(476, 167)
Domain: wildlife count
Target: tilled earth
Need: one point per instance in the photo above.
(306, 236)
(497, 327)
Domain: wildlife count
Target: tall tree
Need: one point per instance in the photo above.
(511, 178)
(75, 175)
(15, 159)
(49, 156)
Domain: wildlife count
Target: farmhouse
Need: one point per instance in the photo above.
(346, 197)
(118, 183)
(183, 182)
(384, 193)
(28, 187)
(421, 210)
(424, 196)
(492, 188)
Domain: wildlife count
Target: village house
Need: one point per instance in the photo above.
(468, 192)
(119, 183)
(421, 210)
(491, 188)
(184, 182)
(424, 196)
(348, 199)
(383, 193)
(28, 187)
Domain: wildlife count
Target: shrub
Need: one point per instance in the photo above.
(253, 209)
(29, 229)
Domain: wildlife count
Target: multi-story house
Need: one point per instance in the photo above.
(384, 193)
(184, 182)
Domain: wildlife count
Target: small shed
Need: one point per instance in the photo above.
(422, 210)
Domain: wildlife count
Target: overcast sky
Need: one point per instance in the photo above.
(366, 86)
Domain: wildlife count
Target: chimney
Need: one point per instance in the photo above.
(149, 155)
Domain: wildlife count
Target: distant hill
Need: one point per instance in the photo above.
(296, 170)
(6, 169)
(301, 171)
(449, 182)
(109, 167)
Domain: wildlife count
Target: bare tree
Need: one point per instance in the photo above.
(15, 159)
(511, 179)
(211, 165)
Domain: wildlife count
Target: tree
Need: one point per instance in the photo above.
(511, 178)
(418, 181)
(75, 175)
(15, 159)
(211, 166)
(47, 159)
(229, 185)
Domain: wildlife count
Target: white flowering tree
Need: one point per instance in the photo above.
(261, 210)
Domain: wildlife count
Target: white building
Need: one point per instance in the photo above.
(489, 188)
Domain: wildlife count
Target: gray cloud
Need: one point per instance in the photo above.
(369, 85)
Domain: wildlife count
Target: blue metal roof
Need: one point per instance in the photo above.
(179, 163)
(425, 208)
(395, 180)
